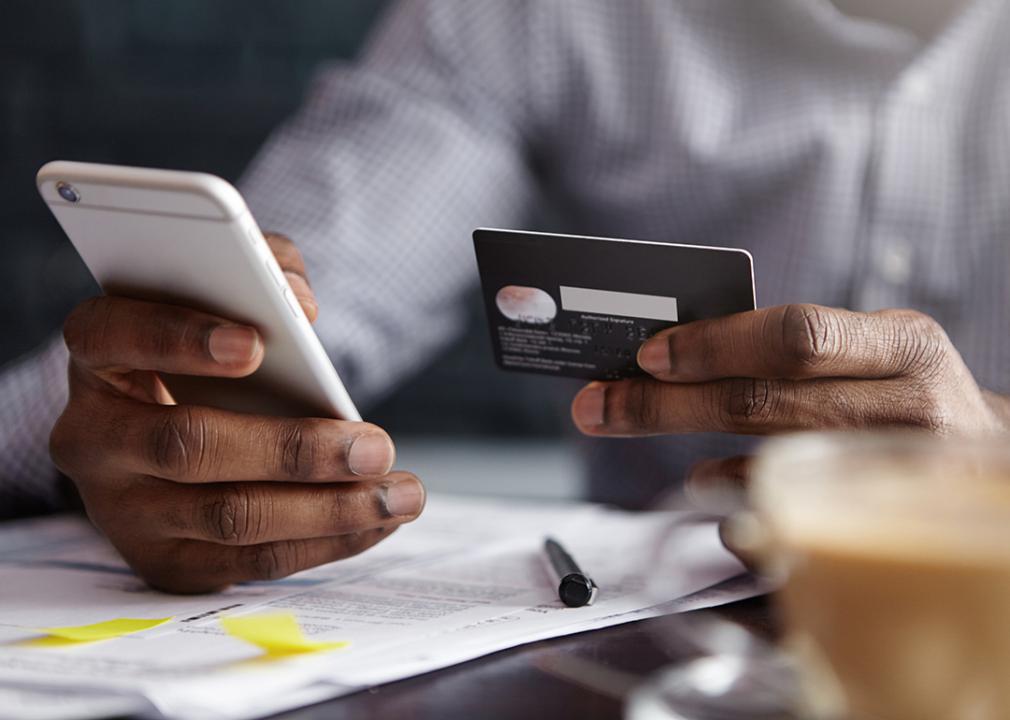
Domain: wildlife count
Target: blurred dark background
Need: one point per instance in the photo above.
(196, 85)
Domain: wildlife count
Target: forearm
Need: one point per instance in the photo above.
(380, 181)
(33, 392)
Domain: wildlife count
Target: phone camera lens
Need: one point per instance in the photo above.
(68, 192)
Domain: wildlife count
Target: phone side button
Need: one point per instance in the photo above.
(276, 273)
(255, 238)
(292, 301)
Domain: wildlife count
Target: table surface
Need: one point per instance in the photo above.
(581, 676)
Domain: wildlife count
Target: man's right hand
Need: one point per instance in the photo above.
(197, 498)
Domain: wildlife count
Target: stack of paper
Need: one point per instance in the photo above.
(465, 580)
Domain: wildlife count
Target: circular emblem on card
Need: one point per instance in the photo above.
(526, 304)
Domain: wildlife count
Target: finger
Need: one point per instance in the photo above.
(199, 567)
(643, 406)
(290, 259)
(141, 385)
(192, 444)
(255, 513)
(791, 342)
(745, 552)
(121, 334)
(306, 298)
(722, 476)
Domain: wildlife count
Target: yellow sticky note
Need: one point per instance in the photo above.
(100, 631)
(277, 634)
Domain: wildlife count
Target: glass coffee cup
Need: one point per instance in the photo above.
(891, 558)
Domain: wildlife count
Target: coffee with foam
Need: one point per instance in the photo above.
(896, 559)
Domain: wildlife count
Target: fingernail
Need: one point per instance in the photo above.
(233, 344)
(310, 306)
(589, 406)
(654, 356)
(404, 498)
(371, 454)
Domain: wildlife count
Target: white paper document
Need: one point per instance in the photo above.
(465, 580)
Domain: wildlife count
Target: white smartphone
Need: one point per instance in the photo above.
(188, 239)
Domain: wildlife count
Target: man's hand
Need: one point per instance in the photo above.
(197, 498)
(795, 367)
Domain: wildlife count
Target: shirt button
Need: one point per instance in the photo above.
(894, 262)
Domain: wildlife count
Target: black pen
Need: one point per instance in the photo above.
(575, 588)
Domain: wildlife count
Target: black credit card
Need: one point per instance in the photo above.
(582, 306)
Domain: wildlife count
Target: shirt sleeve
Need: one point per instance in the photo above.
(33, 393)
(383, 175)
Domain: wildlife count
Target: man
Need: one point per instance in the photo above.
(861, 153)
